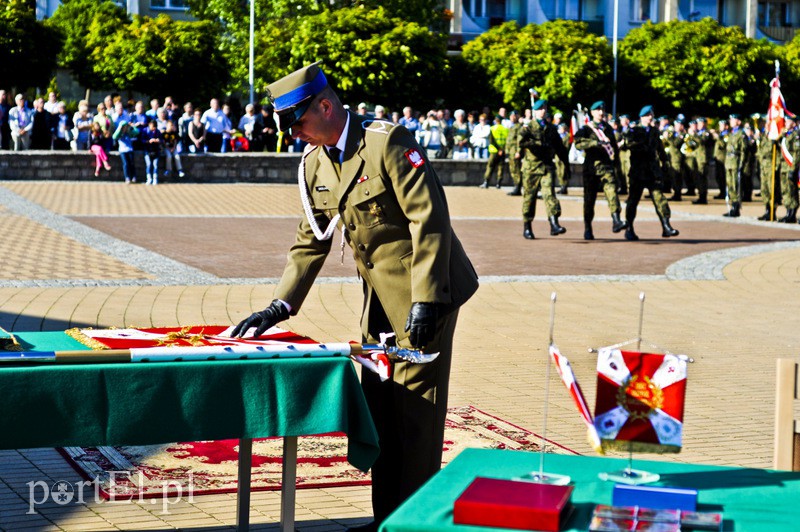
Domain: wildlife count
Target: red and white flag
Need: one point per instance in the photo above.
(776, 114)
(640, 398)
(574, 389)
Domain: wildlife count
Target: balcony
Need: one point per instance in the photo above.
(779, 33)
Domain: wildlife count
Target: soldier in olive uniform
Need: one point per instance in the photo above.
(790, 140)
(374, 181)
(562, 179)
(673, 139)
(768, 172)
(624, 153)
(720, 145)
(703, 153)
(749, 165)
(596, 140)
(648, 159)
(735, 148)
(540, 143)
(514, 155)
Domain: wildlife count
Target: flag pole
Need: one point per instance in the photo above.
(774, 152)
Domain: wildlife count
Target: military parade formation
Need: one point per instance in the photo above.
(625, 155)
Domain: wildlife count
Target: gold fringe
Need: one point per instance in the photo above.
(8, 342)
(76, 334)
(639, 447)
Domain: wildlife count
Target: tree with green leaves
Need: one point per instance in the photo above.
(161, 56)
(27, 46)
(76, 20)
(368, 56)
(696, 67)
(561, 59)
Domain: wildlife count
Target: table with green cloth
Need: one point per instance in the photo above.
(58, 405)
(749, 499)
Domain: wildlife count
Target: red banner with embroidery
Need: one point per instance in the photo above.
(640, 398)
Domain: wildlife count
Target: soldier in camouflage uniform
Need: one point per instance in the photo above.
(648, 159)
(791, 138)
(673, 139)
(735, 148)
(539, 142)
(624, 153)
(561, 166)
(749, 165)
(514, 155)
(764, 153)
(596, 140)
(702, 156)
(720, 143)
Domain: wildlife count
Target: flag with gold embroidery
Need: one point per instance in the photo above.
(640, 398)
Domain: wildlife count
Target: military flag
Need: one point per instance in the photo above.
(776, 116)
(568, 378)
(640, 398)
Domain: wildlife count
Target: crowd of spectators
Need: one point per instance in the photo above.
(164, 132)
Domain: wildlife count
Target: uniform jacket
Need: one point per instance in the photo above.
(735, 150)
(539, 145)
(397, 223)
(596, 158)
(647, 154)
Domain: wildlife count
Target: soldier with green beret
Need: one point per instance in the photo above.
(540, 143)
(735, 148)
(601, 155)
(372, 180)
(648, 160)
(513, 153)
(789, 144)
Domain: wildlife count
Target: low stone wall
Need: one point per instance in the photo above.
(209, 168)
(216, 168)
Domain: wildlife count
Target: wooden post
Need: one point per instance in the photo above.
(787, 442)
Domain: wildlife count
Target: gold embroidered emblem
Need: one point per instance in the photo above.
(375, 209)
(639, 397)
(177, 338)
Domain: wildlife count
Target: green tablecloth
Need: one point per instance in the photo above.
(750, 499)
(148, 403)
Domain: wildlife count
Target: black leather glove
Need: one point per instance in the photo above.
(421, 323)
(263, 320)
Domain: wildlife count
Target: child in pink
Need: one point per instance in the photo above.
(96, 146)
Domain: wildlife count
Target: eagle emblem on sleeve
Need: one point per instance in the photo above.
(415, 157)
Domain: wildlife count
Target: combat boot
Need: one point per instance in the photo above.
(588, 234)
(527, 231)
(517, 190)
(617, 225)
(630, 234)
(676, 196)
(485, 184)
(735, 211)
(790, 218)
(702, 199)
(766, 216)
(556, 229)
(668, 230)
(563, 190)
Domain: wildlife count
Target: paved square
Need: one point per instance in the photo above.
(109, 255)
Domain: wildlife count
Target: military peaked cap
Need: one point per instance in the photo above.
(599, 104)
(291, 95)
(539, 104)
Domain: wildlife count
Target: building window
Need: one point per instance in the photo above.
(641, 10)
(168, 4)
(774, 14)
(475, 8)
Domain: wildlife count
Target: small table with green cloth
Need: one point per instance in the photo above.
(749, 499)
(148, 403)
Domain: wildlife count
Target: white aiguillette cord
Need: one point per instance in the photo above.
(301, 182)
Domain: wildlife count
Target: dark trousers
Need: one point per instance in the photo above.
(409, 412)
(214, 142)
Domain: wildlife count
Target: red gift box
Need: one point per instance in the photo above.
(512, 504)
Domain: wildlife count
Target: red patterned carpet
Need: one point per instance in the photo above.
(211, 466)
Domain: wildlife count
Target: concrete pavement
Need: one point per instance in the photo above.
(110, 255)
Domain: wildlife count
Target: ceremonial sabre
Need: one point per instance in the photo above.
(219, 352)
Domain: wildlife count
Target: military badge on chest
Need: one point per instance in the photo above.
(376, 210)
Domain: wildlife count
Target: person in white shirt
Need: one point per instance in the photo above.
(51, 105)
(480, 138)
(20, 118)
(214, 121)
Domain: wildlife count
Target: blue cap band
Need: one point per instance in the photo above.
(303, 92)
